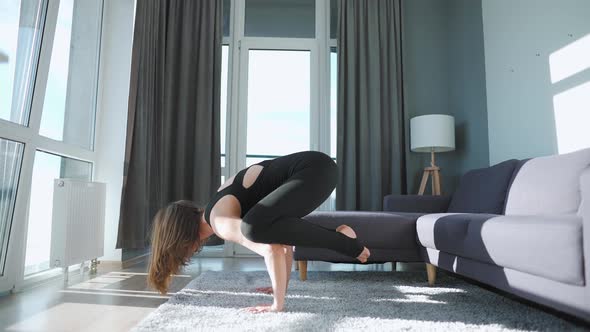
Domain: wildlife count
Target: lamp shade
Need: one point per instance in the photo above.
(434, 132)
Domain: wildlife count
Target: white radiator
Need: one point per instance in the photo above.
(77, 229)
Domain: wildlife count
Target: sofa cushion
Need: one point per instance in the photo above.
(517, 168)
(547, 246)
(548, 185)
(416, 203)
(483, 190)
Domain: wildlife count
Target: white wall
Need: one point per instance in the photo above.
(527, 115)
(115, 66)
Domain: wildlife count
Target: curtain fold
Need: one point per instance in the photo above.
(370, 129)
(173, 129)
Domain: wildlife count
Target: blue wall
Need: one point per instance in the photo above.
(525, 111)
(444, 72)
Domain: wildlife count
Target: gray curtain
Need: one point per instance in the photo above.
(370, 132)
(173, 134)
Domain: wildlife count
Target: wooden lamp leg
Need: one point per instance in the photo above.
(434, 172)
(433, 183)
(302, 270)
(436, 182)
(431, 271)
(424, 182)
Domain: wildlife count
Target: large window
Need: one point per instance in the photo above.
(70, 97)
(282, 79)
(281, 91)
(278, 103)
(21, 24)
(49, 53)
(333, 100)
(223, 104)
(11, 154)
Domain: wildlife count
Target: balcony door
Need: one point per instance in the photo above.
(276, 101)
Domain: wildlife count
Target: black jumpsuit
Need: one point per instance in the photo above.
(287, 189)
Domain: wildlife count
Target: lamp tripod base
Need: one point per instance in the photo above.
(433, 171)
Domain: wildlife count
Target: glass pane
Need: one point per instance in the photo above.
(223, 102)
(333, 100)
(21, 25)
(226, 17)
(11, 154)
(333, 115)
(278, 117)
(333, 19)
(255, 160)
(46, 168)
(70, 98)
(280, 18)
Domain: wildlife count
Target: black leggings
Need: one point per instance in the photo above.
(277, 218)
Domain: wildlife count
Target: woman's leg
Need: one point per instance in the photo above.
(277, 217)
(288, 262)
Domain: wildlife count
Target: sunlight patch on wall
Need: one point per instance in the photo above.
(570, 59)
(572, 116)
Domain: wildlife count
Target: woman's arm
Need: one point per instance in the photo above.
(275, 259)
(288, 268)
(228, 228)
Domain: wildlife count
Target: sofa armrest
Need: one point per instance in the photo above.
(416, 203)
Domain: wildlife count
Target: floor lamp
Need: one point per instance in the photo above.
(432, 133)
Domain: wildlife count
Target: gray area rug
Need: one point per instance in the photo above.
(346, 301)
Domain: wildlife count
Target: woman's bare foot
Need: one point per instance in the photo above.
(346, 230)
(263, 308)
(265, 290)
(364, 256)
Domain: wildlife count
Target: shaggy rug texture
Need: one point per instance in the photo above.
(346, 301)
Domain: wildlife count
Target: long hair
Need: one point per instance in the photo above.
(174, 232)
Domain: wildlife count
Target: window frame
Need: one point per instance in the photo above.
(13, 277)
(320, 46)
(320, 80)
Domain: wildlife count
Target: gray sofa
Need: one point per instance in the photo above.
(518, 226)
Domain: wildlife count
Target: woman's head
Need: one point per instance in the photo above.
(175, 237)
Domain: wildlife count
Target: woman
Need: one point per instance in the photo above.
(259, 208)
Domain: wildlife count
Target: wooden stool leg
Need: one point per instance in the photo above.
(302, 270)
(431, 271)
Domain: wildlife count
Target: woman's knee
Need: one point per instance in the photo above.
(322, 159)
(329, 173)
